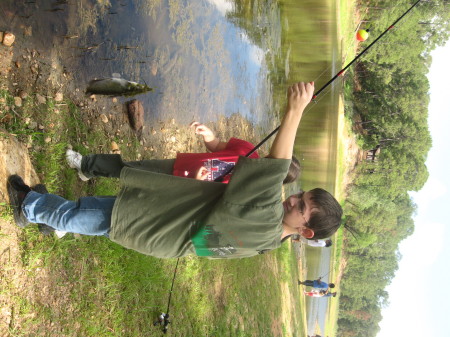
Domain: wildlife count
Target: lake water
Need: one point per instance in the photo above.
(204, 59)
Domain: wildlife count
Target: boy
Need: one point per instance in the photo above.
(168, 216)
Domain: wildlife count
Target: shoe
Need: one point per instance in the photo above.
(74, 160)
(17, 191)
(60, 234)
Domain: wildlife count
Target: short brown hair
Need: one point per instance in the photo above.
(293, 172)
(327, 220)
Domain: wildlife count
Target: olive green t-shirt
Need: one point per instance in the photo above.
(167, 216)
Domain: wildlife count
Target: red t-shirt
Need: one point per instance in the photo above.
(187, 164)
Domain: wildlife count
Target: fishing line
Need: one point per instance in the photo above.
(321, 277)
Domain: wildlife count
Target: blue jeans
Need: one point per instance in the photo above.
(88, 215)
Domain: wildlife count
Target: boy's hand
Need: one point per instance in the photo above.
(299, 95)
(212, 143)
(203, 130)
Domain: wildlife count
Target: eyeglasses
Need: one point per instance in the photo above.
(302, 206)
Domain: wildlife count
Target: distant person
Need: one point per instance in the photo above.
(317, 284)
(166, 216)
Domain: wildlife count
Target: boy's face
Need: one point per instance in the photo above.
(297, 212)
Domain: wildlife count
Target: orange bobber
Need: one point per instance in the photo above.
(362, 35)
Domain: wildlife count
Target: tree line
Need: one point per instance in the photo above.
(387, 99)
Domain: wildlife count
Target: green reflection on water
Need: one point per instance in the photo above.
(310, 43)
(301, 41)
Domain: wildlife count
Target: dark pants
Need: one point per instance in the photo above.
(110, 165)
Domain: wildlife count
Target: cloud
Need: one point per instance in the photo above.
(415, 258)
(433, 189)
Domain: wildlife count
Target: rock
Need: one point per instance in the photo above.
(1, 36)
(14, 159)
(28, 31)
(59, 97)
(154, 69)
(17, 101)
(32, 125)
(115, 147)
(104, 118)
(41, 99)
(8, 39)
(23, 94)
(136, 115)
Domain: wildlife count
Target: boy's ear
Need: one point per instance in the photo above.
(307, 233)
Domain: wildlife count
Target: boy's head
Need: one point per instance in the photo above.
(331, 285)
(328, 243)
(293, 172)
(315, 214)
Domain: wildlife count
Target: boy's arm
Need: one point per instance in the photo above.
(212, 143)
(299, 95)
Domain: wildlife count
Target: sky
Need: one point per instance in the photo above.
(419, 295)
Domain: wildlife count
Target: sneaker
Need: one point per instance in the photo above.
(74, 160)
(17, 191)
(60, 234)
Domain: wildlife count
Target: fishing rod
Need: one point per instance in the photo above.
(165, 316)
(318, 92)
(173, 281)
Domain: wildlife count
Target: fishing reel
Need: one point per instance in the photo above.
(163, 320)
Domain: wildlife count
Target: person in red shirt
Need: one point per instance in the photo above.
(202, 166)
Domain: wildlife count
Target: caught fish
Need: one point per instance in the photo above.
(116, 87)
